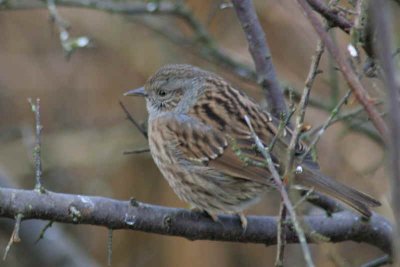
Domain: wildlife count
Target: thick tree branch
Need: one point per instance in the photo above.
(384, 50)
(261, 54)
(114, 214)
(334, 18)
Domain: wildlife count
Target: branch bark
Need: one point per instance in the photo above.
(332, 16)
(134, 215)
(383, 48)
(259, 50)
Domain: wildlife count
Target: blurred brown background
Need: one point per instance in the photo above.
(85, 131)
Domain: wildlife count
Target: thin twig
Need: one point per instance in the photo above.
(134, 122)
(295, 138)
(326, 124)
(283, 193)
(37, 150)
(43, 231)
(136, 151)
(353, 81)
(384, 260)
(347, 116)
(109, 246)
(14, 236)
(283, 123)
(68, 43)
(302, 111)
(281, 242)
(259, 50)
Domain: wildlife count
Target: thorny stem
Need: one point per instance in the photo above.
(283, 193)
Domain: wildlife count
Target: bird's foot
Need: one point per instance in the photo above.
(243, 221)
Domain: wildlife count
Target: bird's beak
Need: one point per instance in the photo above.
(136, 92)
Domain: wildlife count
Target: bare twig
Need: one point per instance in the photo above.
(295, 138)
(109, 246)
(281, 242)
(384, 260)
(37, 150)
(302, 110)
(283, 123)
(355, 85)
(384, 50)
(261, 54)
(326, 124)
(137, 151)
(347, 116)
(14, 236)
(285, 197)
(43, 231)
(134, 122)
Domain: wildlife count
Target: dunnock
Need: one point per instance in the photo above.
(202, 145)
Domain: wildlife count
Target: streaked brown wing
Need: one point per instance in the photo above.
(223, 108)
(202, 144)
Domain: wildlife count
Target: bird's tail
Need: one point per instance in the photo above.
(357, 200)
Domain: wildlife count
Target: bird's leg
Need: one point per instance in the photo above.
(243, 220)
(195, 209)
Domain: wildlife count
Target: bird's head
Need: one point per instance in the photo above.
(172, 88)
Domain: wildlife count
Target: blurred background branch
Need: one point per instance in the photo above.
(391, 76)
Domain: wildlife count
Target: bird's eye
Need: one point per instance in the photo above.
(161, 93)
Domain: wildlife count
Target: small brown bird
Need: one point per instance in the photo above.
(202, 145)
